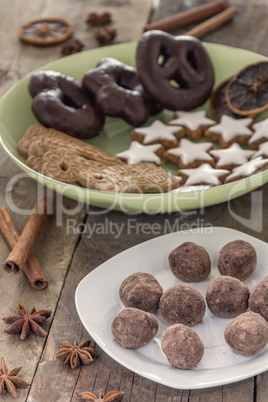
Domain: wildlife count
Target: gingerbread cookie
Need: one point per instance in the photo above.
(194, 123)
(229, 131)
(47, 138)
(143, 177)
(142, 153)
(189, 154)
(158, 133)
(254, 166)
(260, 134)
(231, 157)
(204, 174)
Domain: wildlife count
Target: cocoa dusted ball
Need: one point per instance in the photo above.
(190, 262)
(227, 297)
(247, 334)
(258, 300)
(182, 346)
(182, 304)
(142, 291)
(133, 328)
(238, 259)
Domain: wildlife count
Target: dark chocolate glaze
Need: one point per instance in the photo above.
(161, 58)
(61, 103)
(118, 92)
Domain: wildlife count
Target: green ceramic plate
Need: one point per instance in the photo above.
(16, 117)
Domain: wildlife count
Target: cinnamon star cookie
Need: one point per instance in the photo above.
(158, 133)
(142, 153)
(194, 123)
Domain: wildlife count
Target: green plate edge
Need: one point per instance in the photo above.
(16, 117)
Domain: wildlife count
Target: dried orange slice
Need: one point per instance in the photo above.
(218, 102)
(247, 92)
(45, 31)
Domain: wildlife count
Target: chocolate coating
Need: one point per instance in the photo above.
(142, 291)
(190, 262)
(258, 300)
(59, 102)
(247, 334)
(118, 92)
(133, 328)
(182, 346)
(227, 297)
(182, 304)
(184, 60)
(238, 259)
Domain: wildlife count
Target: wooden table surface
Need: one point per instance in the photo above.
(67, 257)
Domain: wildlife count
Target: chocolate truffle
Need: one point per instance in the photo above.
(190, 262)
(227, 297)
(247, 334)
(182, 346)
(238, 259)
(182, 304)
(133, 328)
(142, 291)
(258, 300)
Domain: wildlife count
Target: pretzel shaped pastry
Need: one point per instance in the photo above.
(60, 102)
(118, 92)
(176, 72)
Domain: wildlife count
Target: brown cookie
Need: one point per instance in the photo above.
(138, 178)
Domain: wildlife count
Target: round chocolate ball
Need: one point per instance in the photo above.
(182, 346)
(247, 334)
(142, 291)
(182, 304)
(133, 328)
(238, 259)
(258, 300)
(190, 262)
(227, 297)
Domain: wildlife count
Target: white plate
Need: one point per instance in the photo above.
(97, 302)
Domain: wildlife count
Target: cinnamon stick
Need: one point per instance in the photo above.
(212, 23)
(21, 251)
(32, 268)
(187, 17)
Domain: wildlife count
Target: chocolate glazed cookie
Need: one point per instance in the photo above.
(118, 92)
(176, 72)
(59, 102)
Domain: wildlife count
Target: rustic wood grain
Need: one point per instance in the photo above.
(67, 257)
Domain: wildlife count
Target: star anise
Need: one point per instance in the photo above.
(72, 46)
(76, 354)
(112, 396)
(98, 19)
(25, 322)
(105, 35)
(9, 380)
